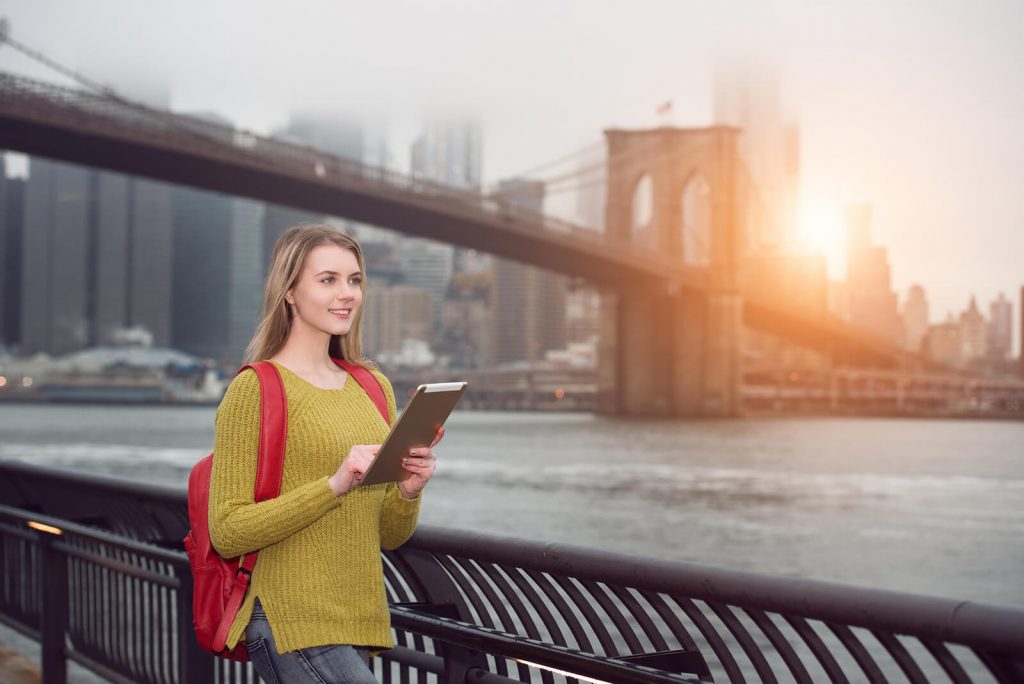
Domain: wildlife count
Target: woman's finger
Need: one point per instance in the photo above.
(438, 436)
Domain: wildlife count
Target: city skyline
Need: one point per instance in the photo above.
(950, 223)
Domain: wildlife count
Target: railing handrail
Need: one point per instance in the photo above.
(968, 622)
(971, 623)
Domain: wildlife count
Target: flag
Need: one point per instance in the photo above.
(664, 108)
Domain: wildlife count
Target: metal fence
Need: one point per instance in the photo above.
(476, 608)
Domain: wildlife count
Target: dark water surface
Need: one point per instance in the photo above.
(934, 507)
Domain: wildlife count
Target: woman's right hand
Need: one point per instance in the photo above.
(351, 470)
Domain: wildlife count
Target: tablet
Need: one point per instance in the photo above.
(416, 427)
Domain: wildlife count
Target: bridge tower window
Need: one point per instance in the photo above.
(696, 222)
(643, 212)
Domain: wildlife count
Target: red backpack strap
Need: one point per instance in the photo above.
(269, 470)
(273, 430)
(368, 381)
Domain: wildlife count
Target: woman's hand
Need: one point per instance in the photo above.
(420, 464)
(351, 470)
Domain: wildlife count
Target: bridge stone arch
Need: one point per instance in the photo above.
(642, 212)
(695, 221)
(675, 352)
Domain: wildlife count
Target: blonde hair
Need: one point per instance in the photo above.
(289, 258)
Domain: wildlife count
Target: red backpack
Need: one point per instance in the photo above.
(219, 584)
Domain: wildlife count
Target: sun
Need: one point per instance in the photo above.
(821, 230)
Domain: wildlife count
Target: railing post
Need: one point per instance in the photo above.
(194, 664)
(459, 662)
(53, 621)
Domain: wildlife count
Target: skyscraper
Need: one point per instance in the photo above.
(202, 277)
(747, 95)
(915, 318)
(973, 333)
(1000, 331)
(132, 267)
(528, 303)
(56, 285)
(246, 267)
(873, 304)
(96, 258)
(944, 343)
(450, 152)
(12, 201)
(427, 265)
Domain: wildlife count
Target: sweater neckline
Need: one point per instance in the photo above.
(307, 382)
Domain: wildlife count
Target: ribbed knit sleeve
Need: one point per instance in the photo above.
(398, 518)
(398, 515)
(237, 524)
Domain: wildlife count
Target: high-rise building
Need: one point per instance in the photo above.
(747, 95)
(466, 324)
(1021, 359)
(276, 220)
(450, 153)
(1000, 330)
(96, 258)
(394, 314)
(12, 201)
(873, 304)
(528, 303)
(427, 265)
(219, 270)
(973, 333)
(57, 239)
(246, 268)
(219, 267)
(582, 315)
(915, 318)
(944, 343)
(387, 306)
(132, 267)
(202, 278)
(338, 134)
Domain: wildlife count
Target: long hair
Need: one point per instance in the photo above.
(285, 268)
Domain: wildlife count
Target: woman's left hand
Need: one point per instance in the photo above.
(420, 464)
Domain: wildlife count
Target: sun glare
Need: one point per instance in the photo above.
(821, 230)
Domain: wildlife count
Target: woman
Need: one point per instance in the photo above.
(317, 600)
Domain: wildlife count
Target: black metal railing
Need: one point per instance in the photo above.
(473, 607)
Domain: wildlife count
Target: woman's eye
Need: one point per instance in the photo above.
(327, 278)
(356, 281)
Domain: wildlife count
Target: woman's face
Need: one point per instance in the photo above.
(329, 291)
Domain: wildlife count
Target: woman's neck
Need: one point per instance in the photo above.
(306, 351)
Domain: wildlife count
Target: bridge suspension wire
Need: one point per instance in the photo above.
(580, 152)
(754, 191)
(179, 122)
(588, 176)
(5, 38)
(596, 174)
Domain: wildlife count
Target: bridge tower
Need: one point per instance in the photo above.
(673, 191)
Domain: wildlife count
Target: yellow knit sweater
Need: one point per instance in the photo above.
(319, 575)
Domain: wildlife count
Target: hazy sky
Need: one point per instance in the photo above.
(912, 107)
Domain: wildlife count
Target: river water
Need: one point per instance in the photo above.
(926, 506)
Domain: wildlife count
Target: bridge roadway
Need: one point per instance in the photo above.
(108, 132)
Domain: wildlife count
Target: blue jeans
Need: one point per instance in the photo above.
(333, 664)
